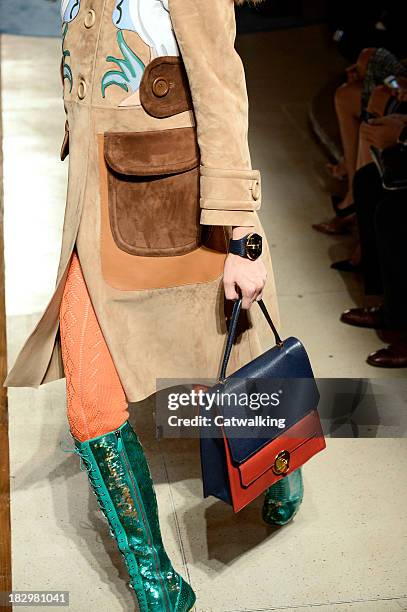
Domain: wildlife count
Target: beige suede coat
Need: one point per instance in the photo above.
(162, 313)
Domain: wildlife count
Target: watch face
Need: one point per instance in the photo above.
(253, 246)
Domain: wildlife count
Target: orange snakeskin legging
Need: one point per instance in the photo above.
(96, 403)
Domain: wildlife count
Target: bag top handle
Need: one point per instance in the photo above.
(232, 333)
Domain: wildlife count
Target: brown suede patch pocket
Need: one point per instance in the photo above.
(153, 191)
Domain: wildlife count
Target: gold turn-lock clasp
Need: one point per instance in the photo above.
(281, 463)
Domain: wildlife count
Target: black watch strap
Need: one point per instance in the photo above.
(238, 246)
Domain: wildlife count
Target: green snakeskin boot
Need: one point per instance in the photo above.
(283, 500)
(121, 481)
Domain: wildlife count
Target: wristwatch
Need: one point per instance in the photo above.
(249, 247)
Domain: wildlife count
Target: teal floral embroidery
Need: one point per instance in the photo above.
(151, 20)
(66, 69)
(69, 11)
(130, 71)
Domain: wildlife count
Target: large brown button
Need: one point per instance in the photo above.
(90, 18)
(81, 90)
(160, 87)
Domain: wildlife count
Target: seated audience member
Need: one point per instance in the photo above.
(381, 132)
(382, 222)
(363, 95)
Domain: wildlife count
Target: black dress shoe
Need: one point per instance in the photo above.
(350, 209)
(345, 265)
(372, 318)
(394, 356)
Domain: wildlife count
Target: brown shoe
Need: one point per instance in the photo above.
(338, 225)
(373, 317)
(394, 356)
(332, 228)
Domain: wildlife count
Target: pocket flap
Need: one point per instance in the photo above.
(152, 153)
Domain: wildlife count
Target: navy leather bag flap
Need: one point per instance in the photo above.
(284, 371)
(284, 375)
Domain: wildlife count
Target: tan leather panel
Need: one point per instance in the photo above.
(132, 272)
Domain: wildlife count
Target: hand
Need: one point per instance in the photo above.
(382, 132)
(398, 116)
(244, 274)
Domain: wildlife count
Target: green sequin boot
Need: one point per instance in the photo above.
(283, 499)
(121, 481)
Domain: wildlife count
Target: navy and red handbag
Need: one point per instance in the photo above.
(242, 455)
